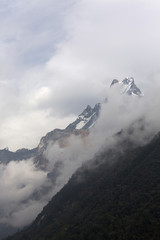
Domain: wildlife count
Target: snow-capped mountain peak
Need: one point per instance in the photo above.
(128, 81)
(90, 115)
(87, 112)
(86, 119)
(128, 86)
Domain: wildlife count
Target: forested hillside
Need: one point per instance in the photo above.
(114, 198)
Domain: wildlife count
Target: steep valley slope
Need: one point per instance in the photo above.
(115, 197)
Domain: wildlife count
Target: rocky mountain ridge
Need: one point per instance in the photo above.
(86, 119)
(84, 122)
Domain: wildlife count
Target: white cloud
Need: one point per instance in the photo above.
(73, 49)
(19, 181)
(29, 35)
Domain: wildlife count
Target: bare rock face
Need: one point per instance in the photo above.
(59, 136)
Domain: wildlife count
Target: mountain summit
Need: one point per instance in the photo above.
(86, 119)
(128, 86)
(89, 116)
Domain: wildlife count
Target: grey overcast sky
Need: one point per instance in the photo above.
(57, 56)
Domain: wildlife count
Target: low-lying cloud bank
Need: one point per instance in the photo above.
(19, 181)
